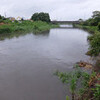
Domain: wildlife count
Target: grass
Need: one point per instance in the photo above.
(25, 26)
(15, 29)
(90, 29)
(74, 79)
(82, 85)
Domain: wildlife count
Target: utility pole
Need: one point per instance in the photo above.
(5, 14)
(84, 16)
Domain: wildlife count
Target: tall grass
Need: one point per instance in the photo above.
(37, 26)
(90, 29)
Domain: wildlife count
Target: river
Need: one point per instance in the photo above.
(28, 63)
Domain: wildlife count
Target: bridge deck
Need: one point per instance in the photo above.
(66, 22)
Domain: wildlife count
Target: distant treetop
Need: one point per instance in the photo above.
(41, 16)
(96, 14)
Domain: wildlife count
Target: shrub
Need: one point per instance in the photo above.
(73, 79)
(97, 92)
(95, 44)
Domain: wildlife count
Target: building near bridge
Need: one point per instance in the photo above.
(12, 19)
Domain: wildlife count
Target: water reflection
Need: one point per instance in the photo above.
(45, 33)
(66, 26)
(20, 34)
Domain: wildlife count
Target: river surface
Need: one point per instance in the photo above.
(28, 62)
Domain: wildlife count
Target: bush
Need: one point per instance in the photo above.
(95, 44)
(97, 92)
(73, 78)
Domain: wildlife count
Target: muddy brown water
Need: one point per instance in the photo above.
(27, 63)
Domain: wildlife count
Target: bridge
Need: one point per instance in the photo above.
(65, 22)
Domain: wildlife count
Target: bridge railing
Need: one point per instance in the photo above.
(65, 22)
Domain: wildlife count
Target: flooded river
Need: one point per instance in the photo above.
(27, 63)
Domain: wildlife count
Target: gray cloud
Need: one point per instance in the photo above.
(58, 9)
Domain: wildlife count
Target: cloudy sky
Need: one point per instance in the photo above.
(58, 9)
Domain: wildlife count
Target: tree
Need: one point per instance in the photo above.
(35, 17)
(80, 20)
(96, 18)
(41, 16)
(96, 14)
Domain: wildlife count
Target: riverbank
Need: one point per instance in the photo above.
(25, 26)
(90, 29)
(88, 74)
(93, 90)
(94, 39)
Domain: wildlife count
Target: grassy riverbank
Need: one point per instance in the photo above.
(92, 25)
(90, 29)
(90, 82)
(25, 26)
(94, 39)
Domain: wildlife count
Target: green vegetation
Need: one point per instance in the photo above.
(67, 98)
(75, 79)
(90, 83)
(94, 20)
(90, 29)
(41, 25)
(93, 26)
(92, 90)
(94, 44)
(96, 92)
(83, 86)
(37, 26)
(41, 17)
(16, 29)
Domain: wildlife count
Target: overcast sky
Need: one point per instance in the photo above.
(58, 9)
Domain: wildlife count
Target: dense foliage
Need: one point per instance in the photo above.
(93, 26)
(29, 26)
(41, 17)
(94, 20)
(95, 44)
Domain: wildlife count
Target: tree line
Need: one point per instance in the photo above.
(94, 20)
(93, 24)
(45, 17)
